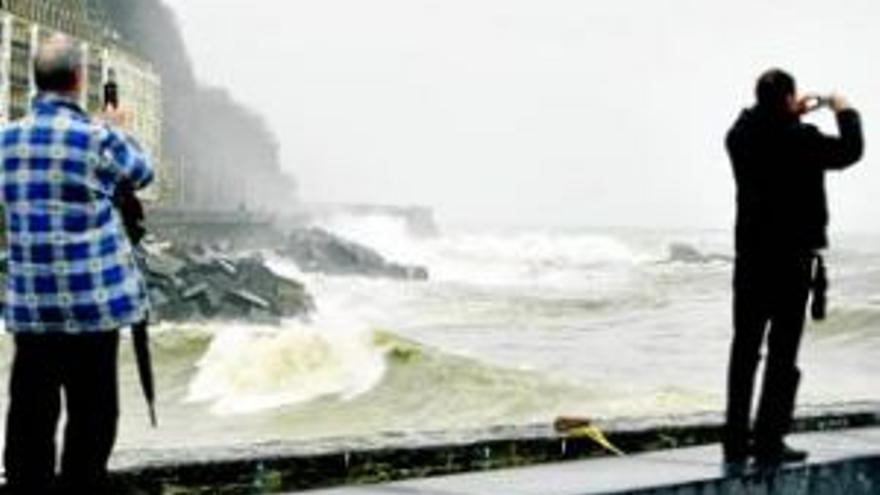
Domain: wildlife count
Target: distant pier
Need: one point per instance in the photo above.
(261, 227)
(419, 220)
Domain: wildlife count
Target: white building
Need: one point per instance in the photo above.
(25, 23)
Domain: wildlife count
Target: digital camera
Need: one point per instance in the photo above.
(815, 102)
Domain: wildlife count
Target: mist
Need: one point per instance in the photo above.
(531, 113)
(224, 155)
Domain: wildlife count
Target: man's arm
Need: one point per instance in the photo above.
(129, 159)
(837, 153)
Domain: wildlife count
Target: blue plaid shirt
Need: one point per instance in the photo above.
(71, 266)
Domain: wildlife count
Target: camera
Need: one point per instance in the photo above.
(815, 102)
(111, 90)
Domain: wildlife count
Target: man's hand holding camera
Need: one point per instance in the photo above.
(115, 116)
(812, 102)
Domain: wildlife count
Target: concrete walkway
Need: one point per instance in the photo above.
(692, 467)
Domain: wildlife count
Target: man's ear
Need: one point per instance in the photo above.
(78, 80)
(793, 104)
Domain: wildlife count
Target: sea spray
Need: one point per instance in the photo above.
(534, 259)
(253, 368)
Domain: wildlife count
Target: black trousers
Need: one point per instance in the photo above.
(84, 368)
(769, 301)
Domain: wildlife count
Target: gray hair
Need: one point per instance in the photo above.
(58, 65)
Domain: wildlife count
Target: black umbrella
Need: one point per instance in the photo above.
(141, 340)
(132, 211)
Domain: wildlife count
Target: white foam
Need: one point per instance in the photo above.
(250, 368)
(495, 259)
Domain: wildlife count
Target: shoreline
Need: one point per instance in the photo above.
(290, 465)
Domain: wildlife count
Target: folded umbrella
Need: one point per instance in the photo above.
(132, 212)
(141, 340)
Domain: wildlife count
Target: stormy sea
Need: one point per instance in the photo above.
(514, 326)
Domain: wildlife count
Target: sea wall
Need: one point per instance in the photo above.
(239, 228)
(281, 467)
(269, 227)
(859, 476)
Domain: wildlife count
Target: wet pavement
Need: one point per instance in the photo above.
(667, 468)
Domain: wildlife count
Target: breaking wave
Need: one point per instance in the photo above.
(496, 259)
(248, 369)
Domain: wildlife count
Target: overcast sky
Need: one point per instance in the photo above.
(535, 112)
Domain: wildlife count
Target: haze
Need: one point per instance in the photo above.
(554, 113)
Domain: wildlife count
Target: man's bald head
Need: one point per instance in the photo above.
(58, 65)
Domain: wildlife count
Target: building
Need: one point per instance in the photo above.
(140, 93)
(24, 24)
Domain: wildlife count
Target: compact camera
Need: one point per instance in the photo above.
(815, 102)
(111, 90)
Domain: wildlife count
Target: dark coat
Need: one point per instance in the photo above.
(779, 165)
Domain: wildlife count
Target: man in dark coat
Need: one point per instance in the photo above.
(779, 164)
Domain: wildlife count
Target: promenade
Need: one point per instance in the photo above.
(844, 440)
(841, 462)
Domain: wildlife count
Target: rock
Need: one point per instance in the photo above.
(227, 266)
(685, 253)
(205, 283)
(194, 291)
(316, 250)
(165, 266)
(249, 298)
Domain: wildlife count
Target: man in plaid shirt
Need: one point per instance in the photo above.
(73, 281)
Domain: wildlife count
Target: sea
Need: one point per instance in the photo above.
(514, 327)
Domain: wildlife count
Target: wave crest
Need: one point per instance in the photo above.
(492, 259)
(248, 368)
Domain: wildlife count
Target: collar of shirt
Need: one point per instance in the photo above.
(52, 102)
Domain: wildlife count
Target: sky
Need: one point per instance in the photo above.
(571, 113)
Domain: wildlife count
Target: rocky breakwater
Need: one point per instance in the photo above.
(207, 283)
(317, 251)
(204, 281)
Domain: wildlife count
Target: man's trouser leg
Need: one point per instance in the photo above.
(781, 375)
(34, 406)
(750, 317)
(91, 391)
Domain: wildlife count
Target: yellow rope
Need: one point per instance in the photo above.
(596, 435)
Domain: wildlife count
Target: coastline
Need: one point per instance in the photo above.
(286, 466)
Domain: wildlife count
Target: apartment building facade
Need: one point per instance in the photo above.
(24, 24)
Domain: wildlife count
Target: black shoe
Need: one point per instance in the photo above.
(781, 454)
(791, 455)
(736, 455)
(734, 468)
